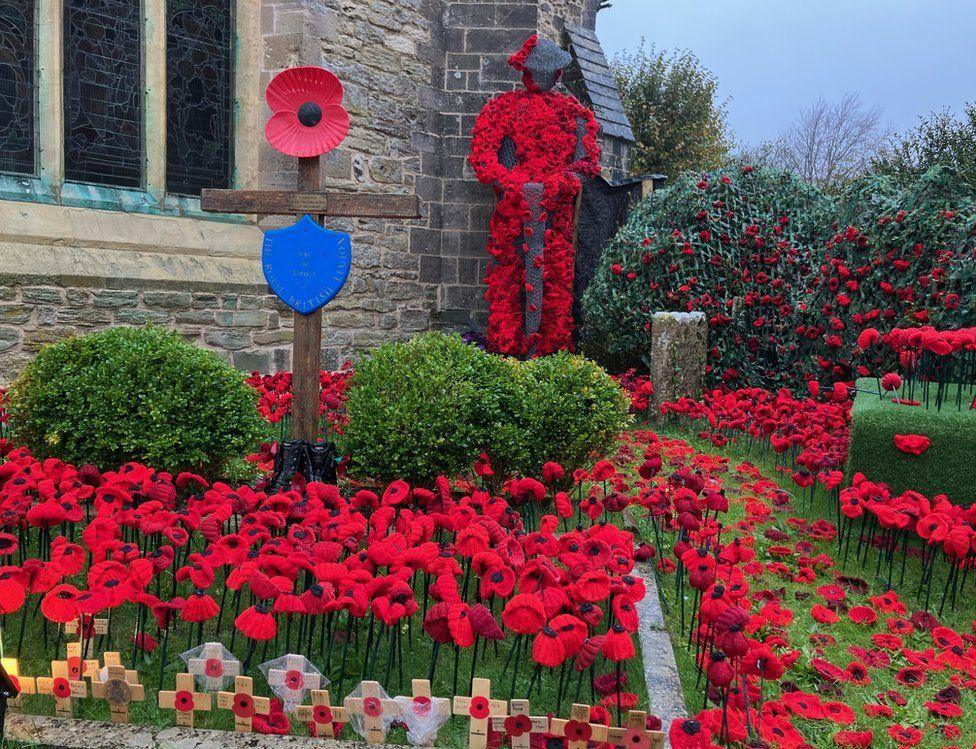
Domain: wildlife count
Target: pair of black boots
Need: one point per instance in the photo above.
(315, 461)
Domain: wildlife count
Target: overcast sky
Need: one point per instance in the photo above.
(774, 57)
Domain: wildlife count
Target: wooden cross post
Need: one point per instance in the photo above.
(119, 690)
(307, 345)
(293, 677)
(372, 707)
(99, 627)
(243, 703)
(184, 700)
(578, 731)
(211, 668)
(424, 703)
(479, 707)
(62, 687)
(634, 735)
(519, 725)
(78, 667)
(322, 713)
(25, 684)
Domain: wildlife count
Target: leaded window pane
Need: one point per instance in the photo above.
(199, 95)
(103, 92)
(17, 86)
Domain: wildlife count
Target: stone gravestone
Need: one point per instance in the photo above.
(679, 346)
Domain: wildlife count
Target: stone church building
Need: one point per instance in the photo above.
(114, 114)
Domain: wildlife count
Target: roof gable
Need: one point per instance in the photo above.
(593, 81)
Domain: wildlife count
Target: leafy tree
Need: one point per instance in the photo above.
(940, 139)
(671, 100)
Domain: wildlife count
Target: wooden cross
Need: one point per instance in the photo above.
(78, 667)
(73, 627)
(63, 687)
(634, 735)
(322, 713)
(120, 689)
(243, 703)
(519, 725)
(293, 680)
(307, 345)
(184, 700)
(211, 668)
(372, 707)
(479, 707)
(578, 731)
(422, 713)
(24, 684)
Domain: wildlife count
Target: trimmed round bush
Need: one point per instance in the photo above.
(140, 394)
(432, 405)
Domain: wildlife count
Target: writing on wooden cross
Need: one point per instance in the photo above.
(243, 703)
(634, 734)
(322, 714)
(184, 700)
(374, 708)
(578, 731)
(423, 713)
(119, 689)
(519, 725)
(24, 684)
(62, 687)
(290, 677)
(212, 665)
(78, 667)
(87, 633)
(479, 707)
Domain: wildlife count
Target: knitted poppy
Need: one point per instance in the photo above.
(484, 624)
(619, 645)
(687, 733)
(59, 604)
(199, 607)
(547, 650)
(592, 586)
(912, 444)
(460, 626)
(256, 623)
(524, 614)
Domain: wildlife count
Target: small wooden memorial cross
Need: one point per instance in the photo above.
(120, 689)
(634, 735)
(63, 687)
(294, 97)
(578, 731)
(99, 627)
(25, 684)
(322, 713)
(479, 707)
(211, 665)
(78, 667)
(243, 703)
(184, 700)
(424, 702)
(519, 725)
(372, 707)
(293, 677)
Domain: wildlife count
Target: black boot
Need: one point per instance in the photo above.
(320, 462)
(288, 462)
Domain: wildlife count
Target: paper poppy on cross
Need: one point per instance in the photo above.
(184, 700)
(243, 703)
(322, 714)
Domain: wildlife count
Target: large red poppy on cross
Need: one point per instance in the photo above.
(308, 119)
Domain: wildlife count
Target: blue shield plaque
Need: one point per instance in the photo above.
(306, 264)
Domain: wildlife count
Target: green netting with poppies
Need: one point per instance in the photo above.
(736, 244)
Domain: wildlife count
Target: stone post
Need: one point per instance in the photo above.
(679, 342)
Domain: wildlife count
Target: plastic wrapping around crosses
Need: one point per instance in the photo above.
(243, 703)
(479, 707)
(519, 726)
(78, 667)
(422, 713)
(578, 731)
(374, 710)
(322, 713)
(119, 689)
(99, 628)
(290, 677)
(184, 700)
(212, 664)
(634, 734)
(62, 687)
(25, 684)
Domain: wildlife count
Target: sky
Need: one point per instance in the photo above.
(772, 58)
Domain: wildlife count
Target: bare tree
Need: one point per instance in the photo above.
(829, 144)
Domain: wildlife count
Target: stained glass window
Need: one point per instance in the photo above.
(198, 95)
(103, 92)
(17, 66)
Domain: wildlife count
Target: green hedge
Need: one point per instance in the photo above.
(134, 394)
(432, 405)
(944, 468)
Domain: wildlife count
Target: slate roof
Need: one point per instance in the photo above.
(598, 84)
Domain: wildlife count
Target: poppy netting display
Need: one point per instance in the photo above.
(291, 677)
(423, 717)
(213, 666)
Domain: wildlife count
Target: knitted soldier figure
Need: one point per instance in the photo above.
(533, 146)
